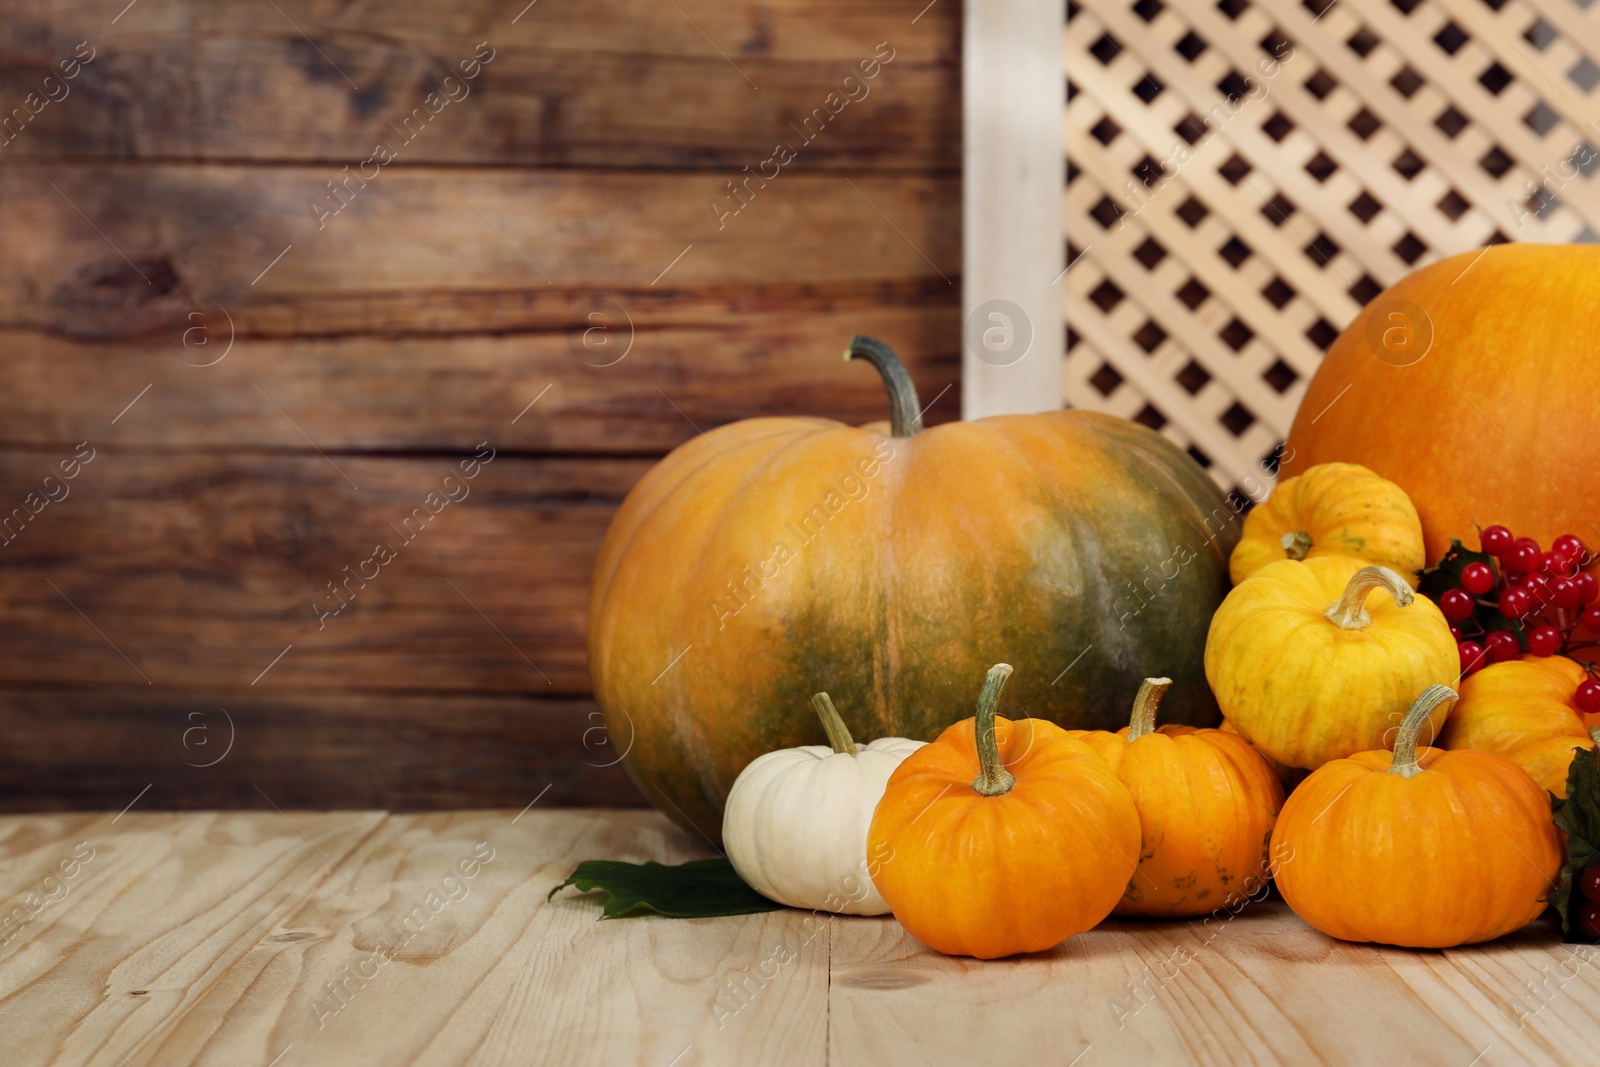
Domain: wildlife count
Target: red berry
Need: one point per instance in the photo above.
(1590, 619)
(1516, 602)
(1524, 556)
(1455, 633)
(1471, 654)
(1589, 697)
(1477, 578)
(1589, 884)
(1570, 546)
(1588, 587)
(1501, 645)
(1554, 563)
(1544, 640)
(1588, 918)
(1496, 540)
(1457, 604)
(1538, 586)
(1564, 591)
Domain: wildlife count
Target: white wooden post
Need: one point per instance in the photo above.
(1013, 331)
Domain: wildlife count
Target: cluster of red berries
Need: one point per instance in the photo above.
(1587, 914)
(1547, 596)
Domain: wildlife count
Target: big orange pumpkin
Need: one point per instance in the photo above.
(1471, 384)
(768, 559)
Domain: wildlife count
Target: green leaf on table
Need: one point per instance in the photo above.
(1579, 816)
(698, 889)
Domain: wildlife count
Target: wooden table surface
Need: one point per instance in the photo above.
(253, 938)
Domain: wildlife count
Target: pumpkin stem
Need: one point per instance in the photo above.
(993, 779)
(1145, 705)
(838, 734)
(1296, 545)
(905, 409)
(1350, 612)
(1404, 761)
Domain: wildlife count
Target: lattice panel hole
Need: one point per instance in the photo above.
(1150, 336)
(1236, 334)
(1278, 293)
(1407, 81)
(1281, 376)
(1237, 419)
(1149, 416)
(1193, 294)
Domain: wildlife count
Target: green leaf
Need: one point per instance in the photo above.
(698, 889)
(1579, 816)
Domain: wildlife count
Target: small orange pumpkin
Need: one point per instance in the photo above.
(1002, 837)
(1207, 801)
(1525, 710)
(1426, 850)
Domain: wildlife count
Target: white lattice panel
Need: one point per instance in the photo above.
(1243, 176)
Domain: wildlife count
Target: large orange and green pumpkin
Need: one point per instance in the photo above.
(1471, 384)
(769, 559)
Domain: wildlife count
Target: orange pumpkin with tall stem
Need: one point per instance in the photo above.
(1002, 837)
(1422, 850)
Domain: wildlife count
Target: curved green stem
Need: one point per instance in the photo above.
(1404, 762)
(905, 409)
(1296, 545)
(993, 779)
(1145, 704)
(839, 738)
(1350, 612)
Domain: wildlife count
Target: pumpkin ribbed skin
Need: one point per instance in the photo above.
(1527, 711)
(1462, 852)
(973, 875)
(1207, 803)
(1304, 690)
(1338, 509)
(1288, 777)
(790, 555)
(1495, 424)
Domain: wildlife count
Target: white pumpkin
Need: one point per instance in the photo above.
(795, 825)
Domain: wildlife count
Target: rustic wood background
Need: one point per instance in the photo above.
(159, 612)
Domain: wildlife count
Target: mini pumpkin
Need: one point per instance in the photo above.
(1526, 710)
(1309, 671)
(1003, 836)
(1207, 801)
(1338, 509)
(795, 827)
(1421, 850)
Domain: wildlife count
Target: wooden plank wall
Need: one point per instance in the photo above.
(267, 278)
